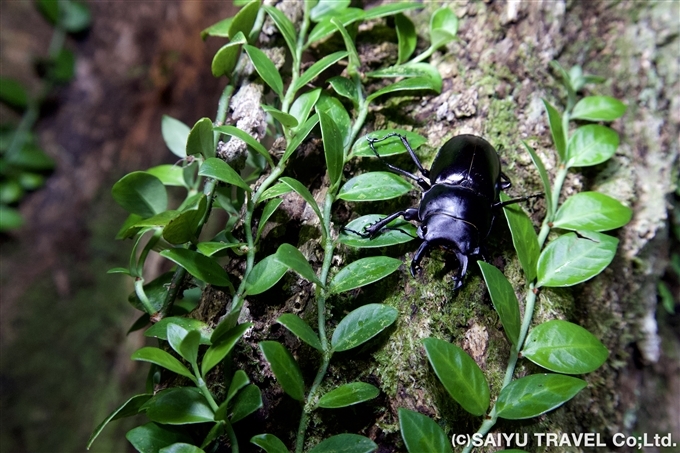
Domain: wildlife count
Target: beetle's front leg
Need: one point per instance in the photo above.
(373, 230)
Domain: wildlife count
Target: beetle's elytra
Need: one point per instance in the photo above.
(459, 200)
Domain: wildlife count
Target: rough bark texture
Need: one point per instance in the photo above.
(494, 80)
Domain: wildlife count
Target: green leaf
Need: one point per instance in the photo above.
(201, 139)
(598, 108)
(269, 443)
(225, 59)
(345, 443)
(264, 275)
(389, 9)
(300, 134)
(591, 145)
(363, 272)
(303, 192)
(294, 259)
(503, 299)
(303, 105)
(388, 147)
(75, 17)
(535, 395)
(170, 175)
(557, 131)
(459, 374)
(325, 27)
(275, 191)
(179, 406)
(319, 67)
(245, 19)
(374, 186)
(127, 409)
(361, 325)
(200, 266)
(592, 211)
(219, 29)
(10, 219)
(266, 69)
(422, 434)
(177, 336)
(210, 248)
(246, 402)
(222, 345)
(332, 107)
(397, 231)
(300, 329)
(220, 170)
(162, 359)
(285, 26)
(239, 381)
(524, 237)
(332, 145)
(406, 37)
(424, 70)
(354, 63)
(184, 227)
(571, 259)
(348, 395)
(327, 8)
(250, 141)
(346, 88)
(285, 369)
(159, 329)
(443, 27)
(62, 68)
(150, 438)
(267, 212)
(414, 84)
(564, 347)
(666, 296)
(181, 447)
(13, 93)
(285, 119)
(538, 163)
(140, 193)
(175, 133)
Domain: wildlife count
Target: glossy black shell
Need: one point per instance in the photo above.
(470, 162)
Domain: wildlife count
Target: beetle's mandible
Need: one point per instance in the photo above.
(459, 200)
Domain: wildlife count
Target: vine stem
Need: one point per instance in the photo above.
(529, 305)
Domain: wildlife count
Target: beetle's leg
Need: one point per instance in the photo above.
(420, 253)
(463, 262)
(373, 230)
(505, 182)
(501, 204)
(421, 181)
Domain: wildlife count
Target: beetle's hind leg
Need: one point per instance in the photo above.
(421, 181)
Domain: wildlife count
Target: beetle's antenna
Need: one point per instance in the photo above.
(421, 182)
(515, 200)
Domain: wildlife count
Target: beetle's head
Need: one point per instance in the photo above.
(452, 234)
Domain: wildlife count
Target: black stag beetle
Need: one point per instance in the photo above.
(459, 201)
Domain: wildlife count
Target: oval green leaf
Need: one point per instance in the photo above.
(361, 325)
(591, 145)
(598, 108)
(127, 409)
(564, 347)
(175, 134)
(250, 141)
(267, 212)
(318, 67)
(363, 272)
(348, 395)
(332, 146)
(571, 259)
(245, 19)
(201, 140)
(545, 180)
(210, 248)
(246, 402)
(220, 29)
(179, 406)
(592, 211)
(303, 192)
(200, 266)
(388, 147)
(220, 170)
(325, 27)
(557, 131)
(345, 87)
(238, 381)
(303, 105)
(332, 107)
(414, 84)
(389, 9)
(13, 93)
(504, 300)
(406, 37)
(300, 329)
(345, 443)
(159, 330)
(225, 59)
(536, 394)
(266, 69)
(422, 434)
(141, 193)
(285, 119)
(397, 232)
(222, 346)
(264, 275)
(300, 135)
(285, 26)
(524, 237)
(328, 8)
(374, 186)
(181, 447)
(152, 437)
(162, 359)
(285, 369)
(170, 175)
(443, 27)
(269, 443)
(460, 375)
